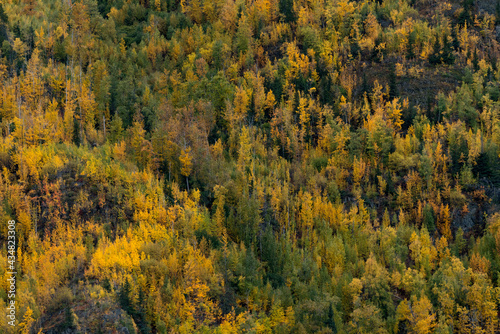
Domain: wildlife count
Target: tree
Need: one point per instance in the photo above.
(186, 164)
(367, 319)
(25, 325)
(466, 15)
(429, 218)
(435, 58)
(116, 129)
(139, 146)
(447, 56)
(444, 54)
(419, 315)
(410, 53)
(497, 11)
(330, 321)
(475, 61)
(3, 26)
(287, 10)
(243, 34)
(444, 221)
(77, 140)
(3, 17)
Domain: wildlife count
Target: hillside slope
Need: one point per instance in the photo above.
(267, 166)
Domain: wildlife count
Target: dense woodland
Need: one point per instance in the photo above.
(251, 166)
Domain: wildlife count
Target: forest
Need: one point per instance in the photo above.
(250, 166)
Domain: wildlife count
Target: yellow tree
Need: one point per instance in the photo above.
(444, 221)
(69, 112)
(306, 213)
(303, 119)
(139, 146)
(229, 15)
(28, 320)
(419, 315)
(220, 196)
(244, 152)
(193, 9)
(393, 114)
(186, 164)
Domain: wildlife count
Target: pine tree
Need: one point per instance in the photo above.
(139, 314)
(3, 17)
(435, 57)
(365, 87)
(497, 11)
(411, 45)
(124, 297)
(467, 13)
(447, 56)
(393, 84)
(69, 320)
(330, 321)
(454, 40)
(475, 61)
(286, 10)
